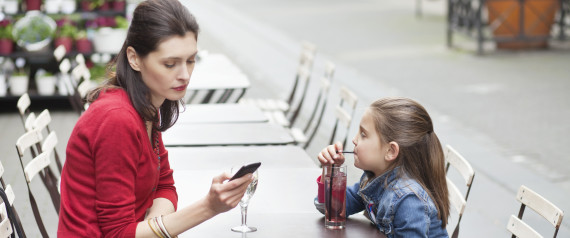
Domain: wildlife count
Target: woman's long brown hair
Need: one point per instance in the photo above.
(154, 21)
(407, 123)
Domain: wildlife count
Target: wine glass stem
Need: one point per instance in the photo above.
(243, 214)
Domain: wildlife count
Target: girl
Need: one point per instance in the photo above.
(403, 190)
(117, 181)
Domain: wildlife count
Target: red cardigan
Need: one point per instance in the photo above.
(111, 174)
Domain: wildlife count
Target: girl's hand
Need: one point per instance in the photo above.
(225, 196)
(329, 155)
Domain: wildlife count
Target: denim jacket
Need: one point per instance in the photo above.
(398, 206)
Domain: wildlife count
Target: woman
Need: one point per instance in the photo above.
(117, 180)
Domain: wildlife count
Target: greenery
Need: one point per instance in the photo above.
(98, 72)
(82, 34)
(6, 32)
(67, 29)
(19, 73)
(36, 31)
(122, 22)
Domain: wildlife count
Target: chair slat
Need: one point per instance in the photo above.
(10, 194)
(540, 205)
(461, 164)
(5, 228)
(29, 124)
(50, 142)
(36, 165)
(521, 229)
(28, 139)
(42, 120)
(23, 103)
(343, 116)
(348, 96)
(455, 197)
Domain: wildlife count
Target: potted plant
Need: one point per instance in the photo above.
(104, 5)
(6, 39)
(33, 5)
(52, 6)
(119, 5)
(18, 83)
(538, 19)
(65, 34)
(98, 73)
(45, 83)
(110, 38)
(34, 32)
(11, 6)
(68, 6)
(82, 43)
(89, 5)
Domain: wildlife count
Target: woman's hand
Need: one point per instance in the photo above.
(329, 155)
(225, 196)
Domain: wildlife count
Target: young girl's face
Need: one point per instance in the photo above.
(369, 151)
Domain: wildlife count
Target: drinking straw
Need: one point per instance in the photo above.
(330, 192)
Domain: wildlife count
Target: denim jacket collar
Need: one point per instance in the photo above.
(375, 188)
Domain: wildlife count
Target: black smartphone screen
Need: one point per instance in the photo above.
(246, 169)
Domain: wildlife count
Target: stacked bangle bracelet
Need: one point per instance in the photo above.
(157, 226)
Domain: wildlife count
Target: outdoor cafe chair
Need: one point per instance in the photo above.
(42, 122)
(302, 136)
(50, 181)
(343, 116)
(540, 205)
(278, 116)
(8, 211)
(23, 105)
(461, 165)
(306, 61)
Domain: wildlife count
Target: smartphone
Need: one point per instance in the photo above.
(246, 169)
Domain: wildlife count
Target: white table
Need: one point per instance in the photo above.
(217, 72)
(283, 203)
(226, 134)
(221, 113)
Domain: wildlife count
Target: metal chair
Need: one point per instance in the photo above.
(458, 201)
(6, 228)
(305, 135)
(540, 205)
(306, 61)
(42, 122)
(28, 140)
(343, 117)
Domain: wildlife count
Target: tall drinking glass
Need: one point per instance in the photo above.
(244, 203)
(335, 196)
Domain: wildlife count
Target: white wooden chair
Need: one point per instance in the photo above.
(305, 135)
(27, 141)
(306, 61)
(540, 205)
(31, 170)
(23, 105)
(6, 228)
(458, 201)
(344, 117)
(278, 116)
(42, 123)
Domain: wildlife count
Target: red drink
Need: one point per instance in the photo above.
(335, 200)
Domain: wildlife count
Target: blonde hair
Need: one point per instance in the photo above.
(407, 123)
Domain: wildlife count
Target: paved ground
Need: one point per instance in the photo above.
(504, 111)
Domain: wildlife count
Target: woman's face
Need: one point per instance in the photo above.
(369, 151)
(167, 70)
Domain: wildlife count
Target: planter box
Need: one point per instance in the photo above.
(109, 40)
(537, 22)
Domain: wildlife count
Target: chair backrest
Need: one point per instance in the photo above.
(463, 167)
(27, 140)
(304, 78)
(49, 144)
(343, 116)
(6, 228)
(305, 63)
(42, 122)
(23, 105)
(540, 205)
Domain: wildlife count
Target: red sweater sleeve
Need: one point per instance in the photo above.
(165, 188)
(116, 157)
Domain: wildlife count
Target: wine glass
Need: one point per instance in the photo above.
(244, 203)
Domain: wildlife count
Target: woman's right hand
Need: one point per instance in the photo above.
(329, 155)
(224, 196)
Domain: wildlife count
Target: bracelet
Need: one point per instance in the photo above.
(162, 227)
(155, 219)
(153, 230)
